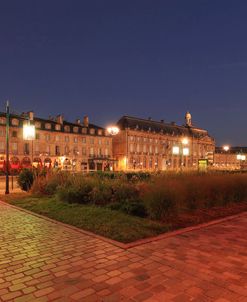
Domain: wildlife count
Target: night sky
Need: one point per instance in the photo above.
(106, 59)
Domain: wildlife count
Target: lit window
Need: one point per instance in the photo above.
(47, 137)
(84, 151)
(14, 133)
(2, 147)
(14, 148)
(2, 120)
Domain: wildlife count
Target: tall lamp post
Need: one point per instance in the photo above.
(112, 130)
(7, 149)
(226, 149)
(182, 150)
(29, 134)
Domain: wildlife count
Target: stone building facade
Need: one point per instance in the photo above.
(234, 158)
(144, 144)
(79, 146)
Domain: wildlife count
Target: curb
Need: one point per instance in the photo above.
(136, 243)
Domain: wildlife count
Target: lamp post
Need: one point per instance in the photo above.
(113, 130)
(7, 149)
(29, 135)
(182, 150)
(226, 149)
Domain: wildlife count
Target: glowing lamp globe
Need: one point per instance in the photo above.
(113, 130)
(28, 132)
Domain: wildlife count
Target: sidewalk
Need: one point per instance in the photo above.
(44, 261)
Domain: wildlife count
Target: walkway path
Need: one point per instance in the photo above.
(44, 261)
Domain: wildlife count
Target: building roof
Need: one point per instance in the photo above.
(134, 123)
(24, 116)
(232, 150)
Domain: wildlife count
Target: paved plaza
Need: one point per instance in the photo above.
(44, 261)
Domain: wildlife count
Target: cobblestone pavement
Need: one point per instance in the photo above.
(44, 261)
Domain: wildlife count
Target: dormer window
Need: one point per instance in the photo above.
(47, 126)
(84, 130)
(75, 129)
(67, 128)
(92, 131)
(37, 125)
(15, 122)
(58, 127)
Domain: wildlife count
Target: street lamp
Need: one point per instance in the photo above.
(182, 150)
(7, 149)
(113, 130)
(226, 148)
(29, 134)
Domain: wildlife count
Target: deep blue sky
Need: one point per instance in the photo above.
(144, 58)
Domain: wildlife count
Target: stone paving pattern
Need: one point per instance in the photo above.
(44, 261)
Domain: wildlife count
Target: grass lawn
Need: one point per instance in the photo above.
(101, 221)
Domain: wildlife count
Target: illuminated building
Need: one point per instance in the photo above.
(79, 146)
(147, 145)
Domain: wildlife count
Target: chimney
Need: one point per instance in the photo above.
(78, 121)
(59, 119)
(162, 121)
(30, 115)
(86, 121)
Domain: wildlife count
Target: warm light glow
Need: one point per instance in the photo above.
(241, 157)
(226, 148)
(28, 132)
(113, 130)
(185, 141)
(175, 150)
(186, 151)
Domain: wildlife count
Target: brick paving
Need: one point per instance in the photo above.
(44, 261)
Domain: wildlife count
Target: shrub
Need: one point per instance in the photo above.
(135, 208)
(101, 193)
(46, 183)
(160, 201)
(124, 192)
(76, 192)
(25, 179)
